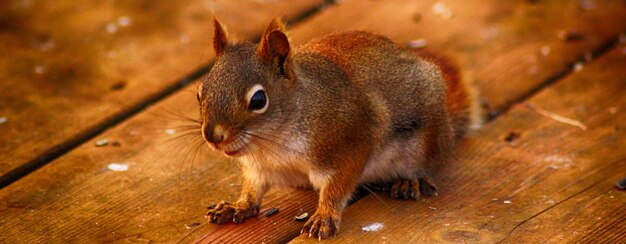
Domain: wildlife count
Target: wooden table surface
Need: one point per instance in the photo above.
(75, 73)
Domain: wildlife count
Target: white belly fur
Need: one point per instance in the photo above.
(399, 158)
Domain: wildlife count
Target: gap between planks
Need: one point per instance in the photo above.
(596, 54)
(89, 133)
(555, 79)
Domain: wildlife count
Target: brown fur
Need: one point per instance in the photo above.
(345, 109)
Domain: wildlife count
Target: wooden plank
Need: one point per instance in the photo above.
(508, 47)
(78, 198)
(594, 215)
(69, 68)
(553, 182)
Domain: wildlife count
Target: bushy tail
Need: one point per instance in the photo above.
(462, 99)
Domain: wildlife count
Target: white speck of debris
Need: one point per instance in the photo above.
(559, 159)
(39, 69)
(506, 202)
(578, 67)
(612, 110)
(494, 199)
(446, 224)
(418, 43)
(102, 142)
(432, 208)
(111, 28)
(545, 51)
(442, 10)
(170, 131)
(491, 217)
(550, 202)
(184, 39)
(117, 167)
(3, 120)
(372, 227)
(124, 21)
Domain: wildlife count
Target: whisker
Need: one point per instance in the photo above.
(198, 142)
(173, 115)
(375, 195)
(275, 143)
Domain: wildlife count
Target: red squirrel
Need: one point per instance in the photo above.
(342, 110)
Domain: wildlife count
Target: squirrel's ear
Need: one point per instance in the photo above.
(274, 47)
(220, 38)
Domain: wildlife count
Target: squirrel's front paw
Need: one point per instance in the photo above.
(321, 226)
(225, 212)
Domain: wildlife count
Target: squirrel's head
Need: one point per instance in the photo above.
(242, 100)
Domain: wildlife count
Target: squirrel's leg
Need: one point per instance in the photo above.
(247, 206)
(334, 195)
(438, 143)
(429, 149)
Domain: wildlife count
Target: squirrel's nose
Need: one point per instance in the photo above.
(214, 134)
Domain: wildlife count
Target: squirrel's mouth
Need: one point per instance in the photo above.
(234, 148)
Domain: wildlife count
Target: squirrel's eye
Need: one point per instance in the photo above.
(257, 101)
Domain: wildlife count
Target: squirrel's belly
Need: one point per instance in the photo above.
(399, 158)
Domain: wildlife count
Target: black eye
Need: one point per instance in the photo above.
(258, 101)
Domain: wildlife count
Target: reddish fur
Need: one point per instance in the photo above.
(458, 98)
(343, 125)
(345, 43)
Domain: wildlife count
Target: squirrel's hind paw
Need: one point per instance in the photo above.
(412, 189)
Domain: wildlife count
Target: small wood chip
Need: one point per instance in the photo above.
(557, 117)
(271, 212)
(192, 225)
(621, 184)
(417, 18)
(102, 143)
(302, 217)
(118, 86)
(569, 36)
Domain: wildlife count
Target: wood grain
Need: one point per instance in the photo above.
(69, 68)
(77, 198)
(499, 43)
(555, 182)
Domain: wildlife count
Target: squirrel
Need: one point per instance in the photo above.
(340, 111)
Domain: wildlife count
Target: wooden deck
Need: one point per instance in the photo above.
(552, 74)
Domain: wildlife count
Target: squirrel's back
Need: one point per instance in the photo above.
(401, 76)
